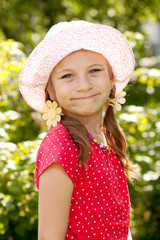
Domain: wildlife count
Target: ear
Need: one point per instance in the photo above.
(111, 76)
(112, 82)
(50, 90)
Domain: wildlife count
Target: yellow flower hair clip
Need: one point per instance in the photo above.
(52, 113)
(117, 101)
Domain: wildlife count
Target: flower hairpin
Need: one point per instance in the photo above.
(117, 101)
(52, 113)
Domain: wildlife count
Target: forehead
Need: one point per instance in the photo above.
(81, 56)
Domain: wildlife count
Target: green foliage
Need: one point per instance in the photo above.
(142, 127)
(27, 21)
(140, 120)
(18, 197)
(16, 117)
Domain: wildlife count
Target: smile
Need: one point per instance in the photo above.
(85, 98)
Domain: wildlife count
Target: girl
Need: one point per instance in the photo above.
(72, 77)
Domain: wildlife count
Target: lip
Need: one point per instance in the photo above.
(85, 98)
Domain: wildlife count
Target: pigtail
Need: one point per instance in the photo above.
(116, 139)
(80, 136)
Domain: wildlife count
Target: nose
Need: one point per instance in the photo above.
(84, 84)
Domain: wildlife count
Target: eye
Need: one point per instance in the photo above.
(67, 76)
(95, 70)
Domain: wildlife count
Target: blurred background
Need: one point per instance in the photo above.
(23, 24)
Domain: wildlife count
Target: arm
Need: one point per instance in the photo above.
(55, 193)
(129, 236)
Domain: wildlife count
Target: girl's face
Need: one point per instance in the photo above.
(81, 83)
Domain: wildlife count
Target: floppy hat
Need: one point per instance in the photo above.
(65, 38)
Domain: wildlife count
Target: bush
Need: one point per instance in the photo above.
(18, 197)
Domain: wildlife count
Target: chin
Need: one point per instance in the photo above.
(86, 113)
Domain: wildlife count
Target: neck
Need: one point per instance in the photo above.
(91, 123)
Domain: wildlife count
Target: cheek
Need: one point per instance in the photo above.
(107, 85)
(61, 93)
(57, 88)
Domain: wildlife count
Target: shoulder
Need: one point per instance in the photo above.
(58, 147)
(58, 139)
(59, 132)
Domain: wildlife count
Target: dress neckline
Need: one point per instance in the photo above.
(101, 145)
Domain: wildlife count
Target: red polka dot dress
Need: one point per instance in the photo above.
(100, 205)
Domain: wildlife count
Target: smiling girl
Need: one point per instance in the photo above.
(74, 75)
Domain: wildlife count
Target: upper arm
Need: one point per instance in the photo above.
(129, 235)
(55, 193)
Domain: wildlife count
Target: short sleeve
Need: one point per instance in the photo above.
(58, 147)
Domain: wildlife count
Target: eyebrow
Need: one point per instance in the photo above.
(90, 66)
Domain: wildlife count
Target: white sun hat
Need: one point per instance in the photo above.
(65, 38)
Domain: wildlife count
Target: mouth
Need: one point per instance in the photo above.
(85, 98)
